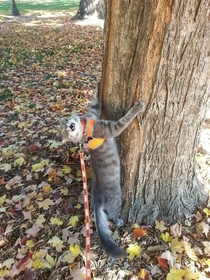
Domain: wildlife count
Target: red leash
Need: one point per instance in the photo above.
(87, 215)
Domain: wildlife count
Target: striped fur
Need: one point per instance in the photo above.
(105, 163)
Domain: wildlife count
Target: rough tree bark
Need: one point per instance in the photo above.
(158, 51)
(15, 11)
(89, 7)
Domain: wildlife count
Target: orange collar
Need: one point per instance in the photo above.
(92, 143)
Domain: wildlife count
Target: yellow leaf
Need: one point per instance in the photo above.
(56, 221)
(30, 243)
(79, 173)
(50, 262)
(45, 203)
(207, 262)
(176, 246)
(26, 202)
(66, 169)
(133, 250)
(47, 189)
(57, 243)
(38, 166)
(7, 152)
(64, 191)
(189, 275)
(73, 221)
(19, 161)
(3, 272)
(39, 254)
(175, 274)
(68, 257)
(191, 254)
(143, 274)
(206, 211)
(136, 226)
(78, 206)
(166, 237)
(40, 220)
(38, 263)
(22, 124)
(75, 250)
(17, 108)
(2, 199)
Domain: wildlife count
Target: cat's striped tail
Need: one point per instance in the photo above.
(105, 239)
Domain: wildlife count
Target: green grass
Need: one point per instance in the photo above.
(27, 6)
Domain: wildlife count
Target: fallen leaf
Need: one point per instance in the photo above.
(40, 220)
(2, 199)
(50, 262)
(176, 245)
(190, 252)
(56, 221)
(45, 204)
(206, 245)
(33, 230)
(176, 230)
(5, 167)
(8, 263)
(2, 182)
(143, 274)
(206, 211)
(57, 243)
(20, 161)
(166, 237)
(139, 232)
(133, 251)
(66, 169)
(27, 215)
(31, 243)
(73, 221)
(75, 249)
(160, 226)
(163, 262)
(169, 257)
(175, 274)
(73, 239)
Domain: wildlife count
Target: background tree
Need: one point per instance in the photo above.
(15, 11)
(158, 51)
(89, 7)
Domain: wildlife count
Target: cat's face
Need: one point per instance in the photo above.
(71, 129)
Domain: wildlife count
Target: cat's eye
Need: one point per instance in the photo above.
(72, 126)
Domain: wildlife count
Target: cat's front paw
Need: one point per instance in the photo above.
(119, 222)
(140, 105)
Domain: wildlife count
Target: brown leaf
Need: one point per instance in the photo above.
(139, 232)
(163, 262)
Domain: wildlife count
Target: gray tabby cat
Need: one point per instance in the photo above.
(105, 163)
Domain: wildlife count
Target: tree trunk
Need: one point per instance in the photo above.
(158, 51)
(89, 7)
(15, 11)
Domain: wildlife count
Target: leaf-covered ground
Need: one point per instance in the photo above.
(48, 69)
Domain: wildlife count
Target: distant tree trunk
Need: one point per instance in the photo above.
(158, 51)
(89, 7)
(15, 11)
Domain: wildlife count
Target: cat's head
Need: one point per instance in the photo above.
(72, 129)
